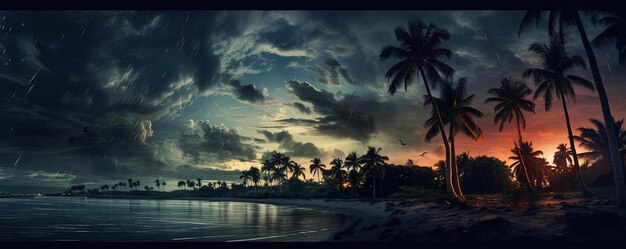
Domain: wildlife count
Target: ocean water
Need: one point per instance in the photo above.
(84, 219)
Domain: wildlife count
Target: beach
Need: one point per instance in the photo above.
(485, 219)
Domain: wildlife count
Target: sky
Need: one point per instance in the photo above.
(97, 97)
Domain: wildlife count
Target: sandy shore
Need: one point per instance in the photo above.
(484, 220)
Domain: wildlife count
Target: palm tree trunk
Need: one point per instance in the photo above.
(453, 164)
(586, 191)
(521, 159)
(620, 186)
(448, 174)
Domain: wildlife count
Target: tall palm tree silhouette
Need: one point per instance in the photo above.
(595, 141)
(614, 33)
(420, 55)
(298, 171)
(562, 158)
(353, 167)
(536, 167)
(316, 167)
(456, 111)
(267, 167)
(280, 162)
(337, 173)
(245, 175)
(372, 161)
(255, 175)
(352, 162)
(552, 80)
(558, 19)
(510, 99)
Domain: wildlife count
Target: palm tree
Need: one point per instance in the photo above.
(245, 175)
(130, 183)
(352, 162)
(104, 187)
(614, 32)
(419, 55)
(562, 158)
(157, 183)
(354, 178)
(552, 80)
(114, 186)
(456, 111)
(372, 160)
(353, 166)
(279, 175)
(163, 183)
(316, 167)
(255, 175)
(510, 99)
(279, 162)
(267, 167)
(571, 17)
(534, 174)
(595, 141)
(181, 184)
(337, 173)
(199, 182)
(298, 171)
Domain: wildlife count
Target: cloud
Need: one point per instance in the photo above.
(290, 146)
(207, 144)
(331, 73)
(301, 107)
(249, 92)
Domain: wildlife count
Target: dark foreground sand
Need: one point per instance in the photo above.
(484, 220)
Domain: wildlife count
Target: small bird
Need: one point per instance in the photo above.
(402, 143)
(424, 153)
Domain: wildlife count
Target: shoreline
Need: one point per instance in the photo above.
(486, 219)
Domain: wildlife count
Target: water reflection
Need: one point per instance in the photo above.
(64, 218)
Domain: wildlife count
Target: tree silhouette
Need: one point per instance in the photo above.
(552, 80)
(419, 54)
(157, 182)
(267, 167)
(456, 111)
(298, 171)
(255, 175)
(372, 161)
(535, 166)
(316, 168)
(562, 158)
(353, 167)
(245, 175)
(614, 33)
(558, 19)
(595, 141)
(337, 173)
(510, 99)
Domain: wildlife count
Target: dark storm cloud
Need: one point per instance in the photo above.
(248, 93)
(85, 86)
(290, 146)
(205, 143)
(353, 116)
(301, 107)
(332, 73)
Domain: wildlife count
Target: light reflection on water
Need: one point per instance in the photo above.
(66, 218)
